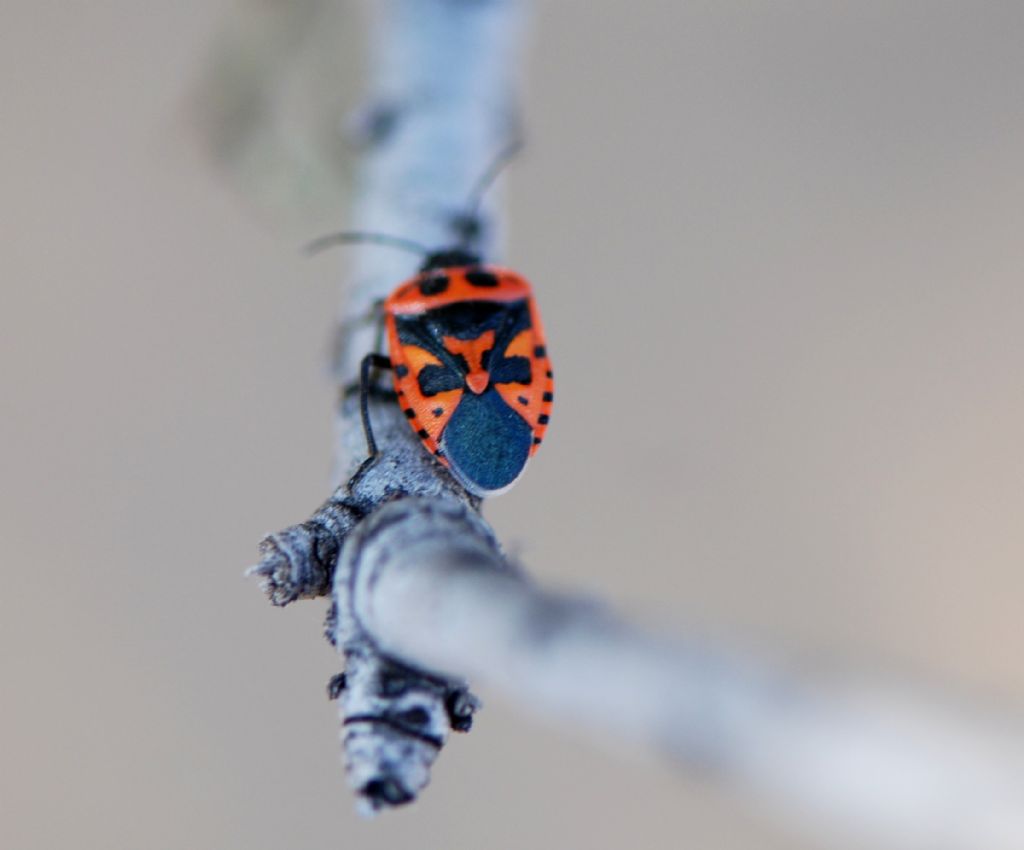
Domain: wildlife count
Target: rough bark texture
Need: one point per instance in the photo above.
(431, 129)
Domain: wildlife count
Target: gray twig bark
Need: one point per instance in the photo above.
(422, 596)
(431, 127)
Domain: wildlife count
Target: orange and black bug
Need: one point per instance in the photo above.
(471, 367)
(471, 370)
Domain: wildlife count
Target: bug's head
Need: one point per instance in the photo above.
(449, 258)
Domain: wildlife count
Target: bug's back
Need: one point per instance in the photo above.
(471, 370)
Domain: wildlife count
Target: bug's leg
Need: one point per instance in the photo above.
(370, 361)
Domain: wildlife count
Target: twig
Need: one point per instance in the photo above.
(883, 762)
(421, 595)
(445, 122)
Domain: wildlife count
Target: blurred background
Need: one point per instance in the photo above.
(778, 249)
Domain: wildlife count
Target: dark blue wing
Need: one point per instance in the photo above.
(486, 442)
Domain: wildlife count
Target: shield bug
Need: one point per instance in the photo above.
(471, 368)
(466, 346)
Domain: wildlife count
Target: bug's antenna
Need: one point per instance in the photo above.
(354, 237)
(467, 223)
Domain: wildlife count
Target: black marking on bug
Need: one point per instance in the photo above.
(401, 370)
(511, 370)
(537, 441)
(410, 413)
(438, 411)
(543, 419)
(435, 379)
(548, 397)
(540, 351)
(434, 285)
(467, 320)
(423, 434)
(482, 279)
(550, 374)
(522, 399)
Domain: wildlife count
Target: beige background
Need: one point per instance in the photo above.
(779, 252)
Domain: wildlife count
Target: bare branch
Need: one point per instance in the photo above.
(422, 596)
(884, 762)
(436, 127)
